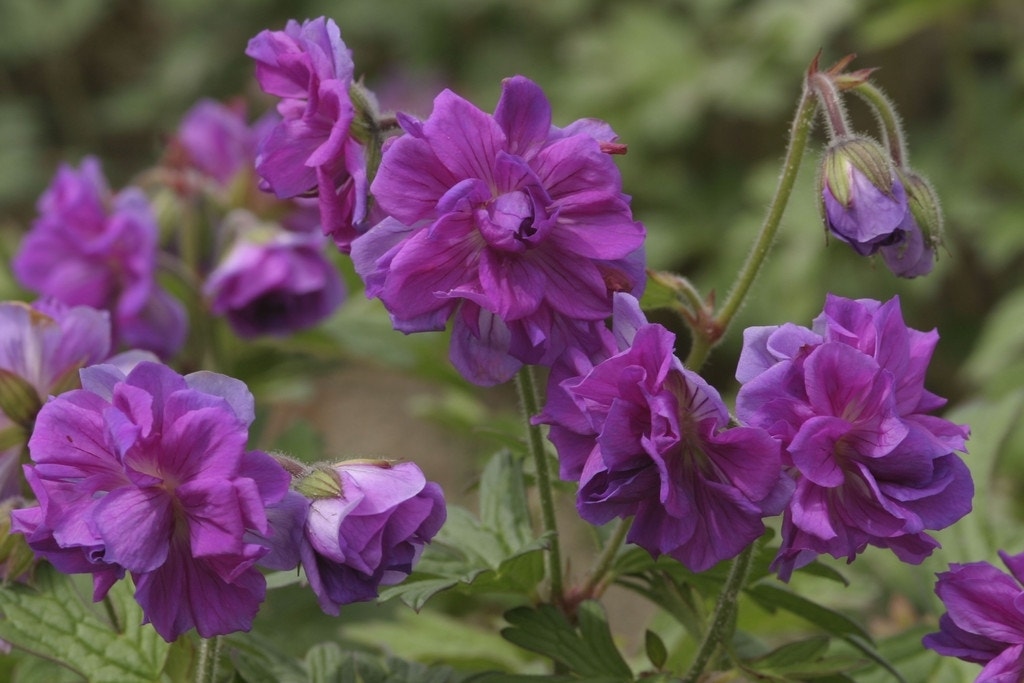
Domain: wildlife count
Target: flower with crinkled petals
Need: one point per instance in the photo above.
(847, 401)
(312, 149)
(647, 438)
(148, 473)
(355, 526)
(91, 248)
(984, 619)
(272, 281)
(515, 229)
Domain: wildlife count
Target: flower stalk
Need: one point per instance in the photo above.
(527, 388)
(206, 660)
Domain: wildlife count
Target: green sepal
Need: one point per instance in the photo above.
(19, 400)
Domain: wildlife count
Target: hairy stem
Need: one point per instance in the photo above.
(529, 405)
(888, 120)
(723, 619)
(798, 133)
(206, 661)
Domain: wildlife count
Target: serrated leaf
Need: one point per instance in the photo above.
(257, 661)
(54, 620)
(590, 652)
(324, 662)
(503, 503)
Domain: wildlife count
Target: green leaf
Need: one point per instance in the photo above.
(324, 662)
(657, 653)
(590, 651)
(257, 661)
(800, 652)
(503, 504)
(773, 597)
(53, 619)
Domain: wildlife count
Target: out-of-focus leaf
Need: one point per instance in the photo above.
(588, 650)
(256, 660)
(655, 648)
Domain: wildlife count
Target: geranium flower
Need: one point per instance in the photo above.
(272, 281)
(646, 437)
(847, 401)
(312, 149)
(984, 621)
(148, 473)
(91, 248)
(516, 229)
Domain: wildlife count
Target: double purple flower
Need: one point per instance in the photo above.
(984, 622)
(847, 401)
(312, 149)
(91, 248)
(148, 473)
(646, 437)
(514, 228)
(273, 281)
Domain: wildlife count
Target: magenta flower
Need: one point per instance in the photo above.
(312, 150)
(218, 140)
(148, 473)
(646, 437)
(91, 248)
(984, 621)
(42, 347)
(273, 282)
(515, 229)
(847, 401)
(354, 527)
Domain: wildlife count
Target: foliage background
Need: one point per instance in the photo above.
(702, 92)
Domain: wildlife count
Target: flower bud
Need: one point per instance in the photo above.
(862, 203)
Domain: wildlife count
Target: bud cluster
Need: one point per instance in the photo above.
(868, 196)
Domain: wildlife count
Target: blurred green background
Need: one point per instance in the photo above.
(700, 90)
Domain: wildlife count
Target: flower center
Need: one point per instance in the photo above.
(512, 221)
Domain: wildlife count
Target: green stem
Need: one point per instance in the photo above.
(607, 557)
(798, 134)
(527, 388)
(723, 618)
(831, 103)
(206, 661)
(888, 120)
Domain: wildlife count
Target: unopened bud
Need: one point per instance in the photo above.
(862, 201)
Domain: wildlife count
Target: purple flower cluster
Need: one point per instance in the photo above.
(355, 526)
(646, 437)
(847, 401)
(865, 204)
(273, 281)
(148, 473)
(312, 150)
(91, 248)
(516, 229)
(984, 622)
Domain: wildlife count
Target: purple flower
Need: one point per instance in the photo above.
(217, 139)
(646, 437)
(514, 228)
(148, 473)
(863, 202)
(88, 248)
(272, 281)
(355, 526)
(312, 150)
(847, 401)
(42, 347)
(984, 622)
